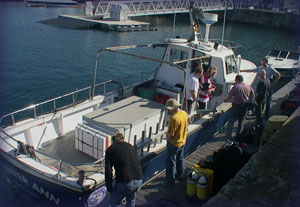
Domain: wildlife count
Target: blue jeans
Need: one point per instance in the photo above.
(268, 104)
(127, 191)
(236, 113)
(175, 157)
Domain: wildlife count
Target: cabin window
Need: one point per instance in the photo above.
(230, 64)
(176, 55)
(293, 56)
(274, 53)
(205, 61)
(283, 54)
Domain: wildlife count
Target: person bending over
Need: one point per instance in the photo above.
(128, 171)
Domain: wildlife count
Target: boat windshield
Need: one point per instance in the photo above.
(176, 55)
(205, 61)
(283, 54)
(274, 53)
(293, 56)
(230, 64)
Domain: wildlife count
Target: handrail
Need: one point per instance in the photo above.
(73, 93)
(237, 45)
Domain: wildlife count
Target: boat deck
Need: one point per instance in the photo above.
(63, 148)
(154, 194)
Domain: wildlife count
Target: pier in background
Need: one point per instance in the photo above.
(115, 15)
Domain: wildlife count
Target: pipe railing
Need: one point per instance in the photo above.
(72, 94)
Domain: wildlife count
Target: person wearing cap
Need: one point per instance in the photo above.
(261, 94)
(193, 88)
(240, 95)
(176, 139)
(206, 87)
(272, 74)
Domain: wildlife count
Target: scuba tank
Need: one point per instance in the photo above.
(202, 187)
(209, 175)
(191, 182)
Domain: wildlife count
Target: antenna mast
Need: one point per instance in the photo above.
(224, 21)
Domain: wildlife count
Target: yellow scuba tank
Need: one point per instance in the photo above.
(209, 174)
(191, 183)
(202, 187)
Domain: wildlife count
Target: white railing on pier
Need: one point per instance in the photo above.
(156, 7)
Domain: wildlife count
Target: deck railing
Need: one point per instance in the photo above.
(53, 102)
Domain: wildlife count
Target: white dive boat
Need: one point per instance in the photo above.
(57, 157)
(286, 62)
(51, 3)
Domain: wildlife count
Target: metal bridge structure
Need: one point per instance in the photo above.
(159, 7)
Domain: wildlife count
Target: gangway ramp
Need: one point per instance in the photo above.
(159, 7)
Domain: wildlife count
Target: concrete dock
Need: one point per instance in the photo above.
(268, 179)
(83, 22)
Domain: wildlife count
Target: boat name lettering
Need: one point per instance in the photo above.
(45, 193)
(39, 189)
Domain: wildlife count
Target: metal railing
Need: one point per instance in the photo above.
(73, 94)
(150, 7)
(230, 44)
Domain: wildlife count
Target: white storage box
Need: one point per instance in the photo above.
(91, 141)
(130, 116)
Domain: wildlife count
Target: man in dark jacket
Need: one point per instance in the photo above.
(261, 95)
(128, 171)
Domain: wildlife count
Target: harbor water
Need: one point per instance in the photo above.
(40, 61)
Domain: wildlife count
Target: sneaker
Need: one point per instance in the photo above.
(166, 184)
(179, 178)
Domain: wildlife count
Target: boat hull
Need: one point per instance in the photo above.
(287, 72)
(37, 189)
(42, 192)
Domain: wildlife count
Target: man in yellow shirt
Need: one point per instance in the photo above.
(176, 136)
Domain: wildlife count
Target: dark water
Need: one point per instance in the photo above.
(39, 61)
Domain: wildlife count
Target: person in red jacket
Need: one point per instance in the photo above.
(206, 87)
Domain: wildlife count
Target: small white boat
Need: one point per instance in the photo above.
(50, 3)
(286, 62)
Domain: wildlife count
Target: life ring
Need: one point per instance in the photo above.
(175, 40)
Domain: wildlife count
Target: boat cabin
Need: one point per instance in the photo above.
(186, 55)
